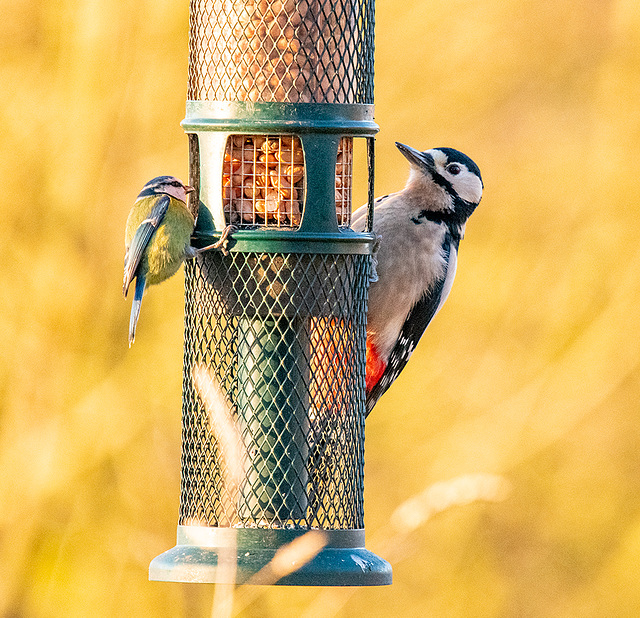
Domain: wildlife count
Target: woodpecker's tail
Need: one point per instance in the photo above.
(135, 307)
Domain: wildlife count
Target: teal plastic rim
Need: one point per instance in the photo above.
(265, 118)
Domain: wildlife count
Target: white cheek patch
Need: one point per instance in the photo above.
(468, 186)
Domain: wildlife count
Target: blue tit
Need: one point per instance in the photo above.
(158, 238)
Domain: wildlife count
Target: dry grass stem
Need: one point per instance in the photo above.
(440, 496)
(391, 541)
(231, 454)
(288, 558)
(291, 557)
(228, 435)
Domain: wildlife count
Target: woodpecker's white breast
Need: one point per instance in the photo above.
(409, 260)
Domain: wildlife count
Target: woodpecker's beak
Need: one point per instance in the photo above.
(421, 159)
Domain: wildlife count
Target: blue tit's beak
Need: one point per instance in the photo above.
(421, 159)
(189, 189)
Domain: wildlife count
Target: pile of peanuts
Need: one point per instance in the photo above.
(263, 180)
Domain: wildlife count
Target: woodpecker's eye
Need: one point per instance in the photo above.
(454, 169)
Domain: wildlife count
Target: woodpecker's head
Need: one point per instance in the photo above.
(454, 175)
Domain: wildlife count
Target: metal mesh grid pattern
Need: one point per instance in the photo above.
(283, 335)
(263, 180)
(311, 51)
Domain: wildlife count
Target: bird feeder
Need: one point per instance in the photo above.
(278, 90)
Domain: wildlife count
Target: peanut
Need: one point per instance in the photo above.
(290, 156)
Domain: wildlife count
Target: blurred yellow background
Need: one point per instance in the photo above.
(515, 423)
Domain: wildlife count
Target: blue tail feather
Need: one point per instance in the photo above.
(135, 307)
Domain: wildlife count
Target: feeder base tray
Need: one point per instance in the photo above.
(343, 561)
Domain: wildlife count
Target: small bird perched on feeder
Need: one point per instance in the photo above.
(418, 232)
(158, 238)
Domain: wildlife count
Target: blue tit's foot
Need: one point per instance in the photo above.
(223, 243)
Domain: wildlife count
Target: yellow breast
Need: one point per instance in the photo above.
(166, 249)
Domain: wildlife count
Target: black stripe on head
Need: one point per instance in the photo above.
(456, 156)
(441, 181)
(461, 207)
(159, 180)
(153, 186)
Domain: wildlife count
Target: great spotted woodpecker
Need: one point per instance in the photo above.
(418, 232)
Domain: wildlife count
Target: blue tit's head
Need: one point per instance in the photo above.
(166, 185)
(448, 168)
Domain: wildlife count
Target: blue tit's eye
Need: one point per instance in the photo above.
(175, 183)
(454, 169)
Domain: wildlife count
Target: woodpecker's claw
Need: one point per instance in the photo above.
(223, 242)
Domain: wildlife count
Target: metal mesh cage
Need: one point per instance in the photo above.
(311, 51)
(284, 336)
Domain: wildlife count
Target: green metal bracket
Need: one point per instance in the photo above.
(319, 126)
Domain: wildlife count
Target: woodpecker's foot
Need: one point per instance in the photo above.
(223, 242)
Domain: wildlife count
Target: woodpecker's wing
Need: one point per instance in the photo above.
(414, 326)
(359, 216)
(141, 239)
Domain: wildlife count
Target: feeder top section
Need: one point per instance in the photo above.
(290, 51)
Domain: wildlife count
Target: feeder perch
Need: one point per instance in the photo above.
(278, 90)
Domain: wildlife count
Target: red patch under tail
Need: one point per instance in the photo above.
(375, 366)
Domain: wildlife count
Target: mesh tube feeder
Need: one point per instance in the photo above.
(278, 90)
